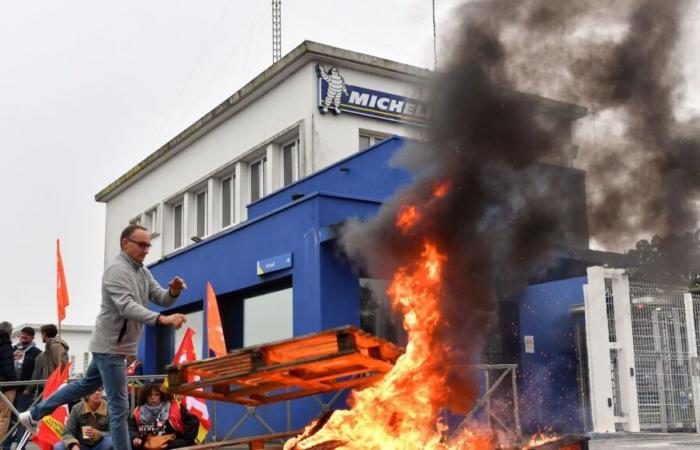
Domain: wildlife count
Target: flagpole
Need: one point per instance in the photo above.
(60, 359)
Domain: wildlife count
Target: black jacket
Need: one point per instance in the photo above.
(30, 357)
(7, 363)
(184, 439)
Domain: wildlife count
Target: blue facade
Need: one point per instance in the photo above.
(325, 288)
(298, 221)
(550, 396)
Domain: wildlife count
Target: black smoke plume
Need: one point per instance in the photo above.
(499, 148)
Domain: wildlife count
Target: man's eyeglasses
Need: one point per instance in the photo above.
(139, 243)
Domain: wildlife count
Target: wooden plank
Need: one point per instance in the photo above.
(245, 440)
(311, 364)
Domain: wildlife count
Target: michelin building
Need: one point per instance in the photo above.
(249, 196)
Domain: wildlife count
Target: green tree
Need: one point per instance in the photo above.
(670, 259)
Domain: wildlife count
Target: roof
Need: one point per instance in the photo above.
(274, 75)
(262, 83)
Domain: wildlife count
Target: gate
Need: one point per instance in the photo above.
(661, 356)
(642, 342)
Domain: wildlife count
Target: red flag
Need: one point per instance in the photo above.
(194, 405)
(51, 426)
(215, 332)
(61, 288)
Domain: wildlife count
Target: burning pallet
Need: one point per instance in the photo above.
(339, 358)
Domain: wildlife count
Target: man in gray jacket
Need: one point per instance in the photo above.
(127, 286)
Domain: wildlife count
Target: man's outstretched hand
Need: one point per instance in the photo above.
(173, 320)
(176, 285)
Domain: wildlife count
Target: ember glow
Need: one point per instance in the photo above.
(407, 217)
(402, 411)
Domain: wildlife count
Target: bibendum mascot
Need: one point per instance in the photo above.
(336, 87)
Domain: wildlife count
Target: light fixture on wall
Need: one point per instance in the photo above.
(297, 195)
(196, 239)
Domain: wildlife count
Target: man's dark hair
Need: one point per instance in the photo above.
(28, 330)
(150, 387)
(49, 330)
(128, 231)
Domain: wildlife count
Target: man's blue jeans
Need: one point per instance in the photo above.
(104, 370)
(104, 444)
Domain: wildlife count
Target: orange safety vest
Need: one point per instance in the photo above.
(174, 417)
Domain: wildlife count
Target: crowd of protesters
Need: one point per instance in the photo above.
(158, 420)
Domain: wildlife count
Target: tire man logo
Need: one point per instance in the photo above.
(336, 88)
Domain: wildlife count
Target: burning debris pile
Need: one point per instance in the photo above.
(485, 211)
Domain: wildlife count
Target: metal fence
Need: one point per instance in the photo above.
(661, 357)
(642, 342)
(133, 382)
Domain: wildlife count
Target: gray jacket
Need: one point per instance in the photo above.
(126, 288)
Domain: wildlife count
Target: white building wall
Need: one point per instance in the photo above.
(323, 140)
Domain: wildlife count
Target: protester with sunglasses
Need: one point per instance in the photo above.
(127, 286)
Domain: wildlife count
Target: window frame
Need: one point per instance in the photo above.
(181, 204)
(231, 177)
(205, 211)
(260, 161)
(373, 137)
(294, 161)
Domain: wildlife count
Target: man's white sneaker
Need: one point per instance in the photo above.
(25, 418)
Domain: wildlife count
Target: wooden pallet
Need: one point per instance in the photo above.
(253, 442)
(335, 359)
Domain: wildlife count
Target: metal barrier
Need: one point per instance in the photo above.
(642, 341)
(10, 432)
(484, 402)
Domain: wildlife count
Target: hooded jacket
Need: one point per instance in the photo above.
(55, 351)
(7, 362)
(127, 286)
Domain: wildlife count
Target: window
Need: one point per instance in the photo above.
(257, 179)
(228, 201)
(135, 221)
(290, 166)
(201, 211)
(268, 317)
(151, 221)
(367, 140)
(168, 339)
(195, 320)
(177, 225)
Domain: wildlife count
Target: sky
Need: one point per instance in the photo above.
(88, 89)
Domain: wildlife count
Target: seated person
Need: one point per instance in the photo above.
(159, 422)
(87, 426)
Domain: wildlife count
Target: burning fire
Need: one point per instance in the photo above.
(402, 411)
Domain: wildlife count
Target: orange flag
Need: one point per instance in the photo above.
(61, 288)
(51, 426)
(195, 406)
(215, 332)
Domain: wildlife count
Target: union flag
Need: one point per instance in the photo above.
(51, 426)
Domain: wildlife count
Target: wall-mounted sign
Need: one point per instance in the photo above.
(274, 264)
(336, 96)
(529, 344)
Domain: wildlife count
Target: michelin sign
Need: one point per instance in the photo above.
(336, 96)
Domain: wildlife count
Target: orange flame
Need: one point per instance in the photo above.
(407, 217)
(540, 438)
(402, 411)
(441, 189)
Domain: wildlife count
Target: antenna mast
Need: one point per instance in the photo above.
(276, 30)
